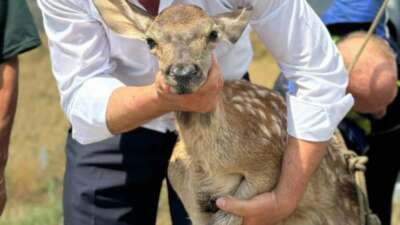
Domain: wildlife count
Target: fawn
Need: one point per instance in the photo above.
(236, 149)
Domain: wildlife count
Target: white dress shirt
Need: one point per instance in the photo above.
(90, 61)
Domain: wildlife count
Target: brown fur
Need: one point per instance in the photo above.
(239, 153)
(237, 149)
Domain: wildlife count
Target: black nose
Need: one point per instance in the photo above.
(183, 70)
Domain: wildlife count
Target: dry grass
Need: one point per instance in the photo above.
(36, 164)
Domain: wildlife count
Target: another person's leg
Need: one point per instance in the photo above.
(8, 104)
(117, 181)
(383, 168)
(17, 35)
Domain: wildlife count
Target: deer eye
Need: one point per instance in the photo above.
(213, 36)
(151, 43)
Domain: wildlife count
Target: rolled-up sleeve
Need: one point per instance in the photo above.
(306, 54)
(81, 65)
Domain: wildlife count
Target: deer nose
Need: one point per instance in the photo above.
(183, 70)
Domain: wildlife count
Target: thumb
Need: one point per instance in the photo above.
(232, 205)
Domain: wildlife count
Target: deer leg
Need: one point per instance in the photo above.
(181, 180)
(245, 190)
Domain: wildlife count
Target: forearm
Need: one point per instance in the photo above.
(8, 103)
(130, 107)
(300, 161)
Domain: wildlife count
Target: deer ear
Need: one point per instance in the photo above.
(124, 18)
(232, 24)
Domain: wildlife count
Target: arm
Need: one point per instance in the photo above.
(8, 104)
(95, 101)
(129, 107)
(300, 161)
(308, 57)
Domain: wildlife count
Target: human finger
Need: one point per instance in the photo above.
(234, 206)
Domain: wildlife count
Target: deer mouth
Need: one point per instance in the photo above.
(184, 81)
(185, 85)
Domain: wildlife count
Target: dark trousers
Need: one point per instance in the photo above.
(382, 170)
(118, 181)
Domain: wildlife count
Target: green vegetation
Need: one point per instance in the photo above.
(49, 213)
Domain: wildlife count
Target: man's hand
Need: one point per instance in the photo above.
(299, 163)
(130, 107)
(264, 209)
(203, 100)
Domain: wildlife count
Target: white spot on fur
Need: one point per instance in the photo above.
(252, 111)
(263, 93)
(262, 114)
(258, 102)
(278, 129)
(274, 119)
(265, 130)
(249, 105)
(238, 98)
(240, 108)
(275, 106)
(251, 93)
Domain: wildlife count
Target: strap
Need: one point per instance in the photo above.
(356, 165)
(369, 35)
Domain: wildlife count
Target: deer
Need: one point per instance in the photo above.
(237, 148)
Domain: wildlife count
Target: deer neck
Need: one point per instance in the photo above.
(201, 126)
(188, 120)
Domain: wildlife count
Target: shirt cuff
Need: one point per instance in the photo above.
(87, 112)
(313, 122)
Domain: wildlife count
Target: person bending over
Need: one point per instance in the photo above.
(122, 131)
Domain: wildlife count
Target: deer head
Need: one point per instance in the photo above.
(182, 37)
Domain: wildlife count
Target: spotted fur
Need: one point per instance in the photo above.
(237, 149)
(239, 153)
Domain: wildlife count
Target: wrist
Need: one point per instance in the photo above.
(288, 199)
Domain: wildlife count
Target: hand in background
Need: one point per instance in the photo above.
(264, 209)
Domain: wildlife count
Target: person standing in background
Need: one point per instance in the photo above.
(18, 34)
